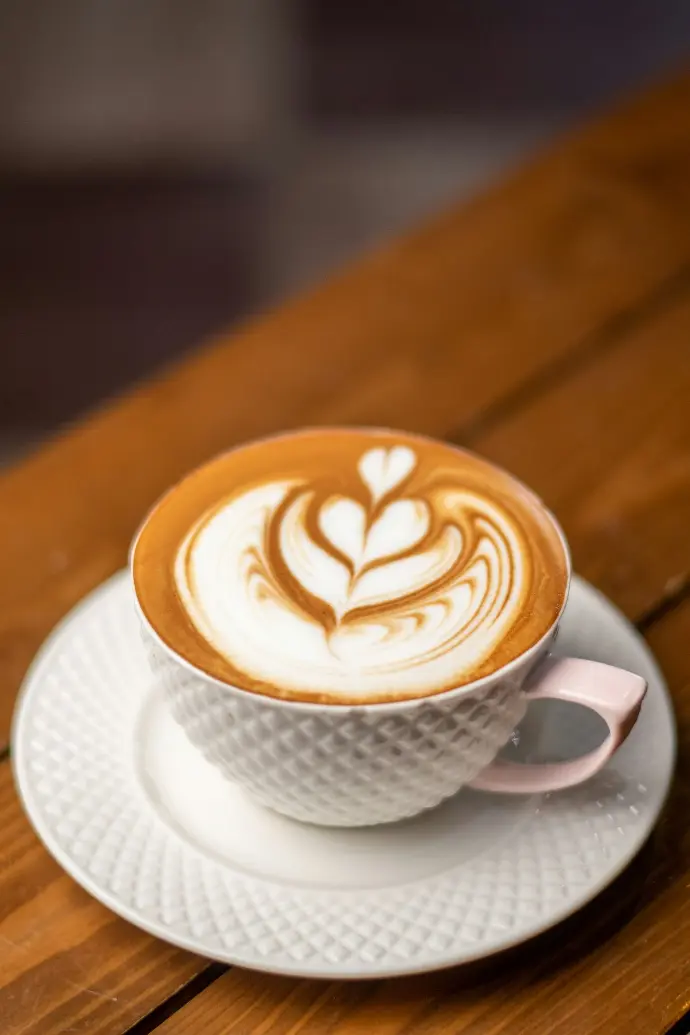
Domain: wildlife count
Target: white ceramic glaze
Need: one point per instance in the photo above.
(135, 814)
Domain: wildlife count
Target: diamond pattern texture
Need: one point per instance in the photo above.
(76, 767)
(342, 766)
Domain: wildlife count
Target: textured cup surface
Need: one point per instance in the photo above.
(344, 765)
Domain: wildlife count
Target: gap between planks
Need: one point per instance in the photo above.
(588, 350)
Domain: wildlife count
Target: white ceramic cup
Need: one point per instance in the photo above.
(357, 765)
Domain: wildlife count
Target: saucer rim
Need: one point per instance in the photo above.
(19, 759)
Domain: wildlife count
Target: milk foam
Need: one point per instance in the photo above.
(336, 594)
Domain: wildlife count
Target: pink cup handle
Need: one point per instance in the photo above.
(614, 694)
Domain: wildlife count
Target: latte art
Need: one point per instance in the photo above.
(389, 573)
(297, 586)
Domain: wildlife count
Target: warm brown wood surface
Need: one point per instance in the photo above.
(69, 964)
(546, 325)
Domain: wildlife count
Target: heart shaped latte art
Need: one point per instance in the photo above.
(384, 469)
(398, 527)
(403, 580)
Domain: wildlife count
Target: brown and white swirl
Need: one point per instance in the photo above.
(383, 590)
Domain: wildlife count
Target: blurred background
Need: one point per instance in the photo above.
(168, 166)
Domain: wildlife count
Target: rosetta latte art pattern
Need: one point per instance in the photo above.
(331, 593)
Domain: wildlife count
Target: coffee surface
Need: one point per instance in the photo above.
(349, 565)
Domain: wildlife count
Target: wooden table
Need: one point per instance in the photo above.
(546, 325)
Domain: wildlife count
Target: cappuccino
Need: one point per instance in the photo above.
(349, 566)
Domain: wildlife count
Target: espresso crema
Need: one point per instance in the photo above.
(349, 566)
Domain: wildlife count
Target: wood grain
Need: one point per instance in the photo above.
(549, 324)
(68, 963)
(621, 967)
(627, 540)
(609, 448)
(427, 333)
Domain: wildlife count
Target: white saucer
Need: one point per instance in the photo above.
(136, 816)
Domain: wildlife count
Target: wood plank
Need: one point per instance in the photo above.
(609, 449)
(68, 963)
(495, 294)
(427, 333)
(604, 472)
(620, 967)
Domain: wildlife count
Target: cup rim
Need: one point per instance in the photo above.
(374, 706)
(370, 707)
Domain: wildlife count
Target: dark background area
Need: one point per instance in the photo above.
(167, 167)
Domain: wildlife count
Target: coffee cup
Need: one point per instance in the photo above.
(351, 623)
